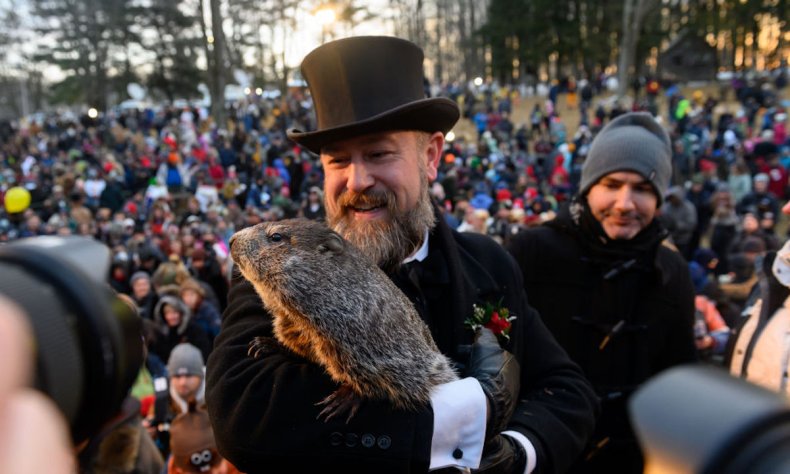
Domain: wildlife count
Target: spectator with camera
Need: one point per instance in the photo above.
(57, 286)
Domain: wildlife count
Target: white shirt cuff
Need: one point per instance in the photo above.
(459, 424)
(528, 447)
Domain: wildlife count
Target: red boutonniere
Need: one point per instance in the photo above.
(492, 316)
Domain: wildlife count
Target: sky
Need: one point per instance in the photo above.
(298, 43)
(310, 34)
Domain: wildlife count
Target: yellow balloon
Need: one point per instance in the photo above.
(17, 199)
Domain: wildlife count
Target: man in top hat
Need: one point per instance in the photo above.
(380, 143)
(620, 302)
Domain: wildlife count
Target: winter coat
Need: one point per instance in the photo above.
(760, 352)
(167, 337)
(123, 446)
(622, 322)
(263, 410)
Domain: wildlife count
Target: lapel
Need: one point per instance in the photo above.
(454, 281)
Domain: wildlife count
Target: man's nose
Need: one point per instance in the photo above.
(624, 199)
(360, 177)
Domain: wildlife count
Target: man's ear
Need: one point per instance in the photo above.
(433, 154)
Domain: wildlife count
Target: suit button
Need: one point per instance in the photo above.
(458, 454)
(384, 442)
(336, 439)
(351, 439)
(368, 440)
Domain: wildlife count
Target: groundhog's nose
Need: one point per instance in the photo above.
(232, 239)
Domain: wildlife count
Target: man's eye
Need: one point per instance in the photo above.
(336, 161)
(276, 237)
(379, 154)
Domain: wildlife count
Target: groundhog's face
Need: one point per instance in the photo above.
(271, 249)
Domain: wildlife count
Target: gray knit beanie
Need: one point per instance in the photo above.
(185, 359)
(631, 142)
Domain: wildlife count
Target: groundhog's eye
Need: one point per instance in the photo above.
(276, 237)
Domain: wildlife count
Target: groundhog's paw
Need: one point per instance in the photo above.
(343, 400)
(260, 346)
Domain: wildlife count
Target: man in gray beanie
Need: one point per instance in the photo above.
(631, 142)
(185, 384)
(620, 302)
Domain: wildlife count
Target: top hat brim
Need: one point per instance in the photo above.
(436, 114)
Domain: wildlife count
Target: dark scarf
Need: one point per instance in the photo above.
(614, 256)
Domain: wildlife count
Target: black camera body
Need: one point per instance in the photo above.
(700, 420)
(88, 343)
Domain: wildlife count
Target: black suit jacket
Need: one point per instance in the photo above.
(264, 413)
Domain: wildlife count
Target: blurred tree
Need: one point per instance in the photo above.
(175, 45)
(634, 14)
(508, 22)
(87, 40)
(409, 20)
(215, 53)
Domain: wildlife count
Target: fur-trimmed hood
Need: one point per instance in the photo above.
(159, 316)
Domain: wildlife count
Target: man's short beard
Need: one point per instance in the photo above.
(385, 242)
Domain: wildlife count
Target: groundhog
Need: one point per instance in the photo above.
(333, 306)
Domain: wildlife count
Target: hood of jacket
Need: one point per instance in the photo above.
(159, 313)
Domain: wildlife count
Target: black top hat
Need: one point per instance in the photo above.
(369, 84)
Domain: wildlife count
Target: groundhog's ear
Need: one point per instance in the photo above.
(333, 243)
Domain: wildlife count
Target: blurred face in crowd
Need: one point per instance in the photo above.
(172, 315)
(186, 386)
(750, 223)
(376, 191)
(624, 203)
(198, 263)
(191, 297)
(141, 288)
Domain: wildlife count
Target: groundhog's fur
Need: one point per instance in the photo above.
(334, 307)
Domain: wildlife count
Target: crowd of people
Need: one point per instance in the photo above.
(165, 189)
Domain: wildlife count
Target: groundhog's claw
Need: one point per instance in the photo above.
(261, 345)
(340, 401)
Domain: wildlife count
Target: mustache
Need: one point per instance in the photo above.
(626, 215)
(369, 198)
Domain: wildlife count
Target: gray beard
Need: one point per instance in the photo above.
(387, 243)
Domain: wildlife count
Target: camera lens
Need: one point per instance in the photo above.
(88, 344)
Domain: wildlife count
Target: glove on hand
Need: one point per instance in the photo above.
(498, 373)
(503, 455)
